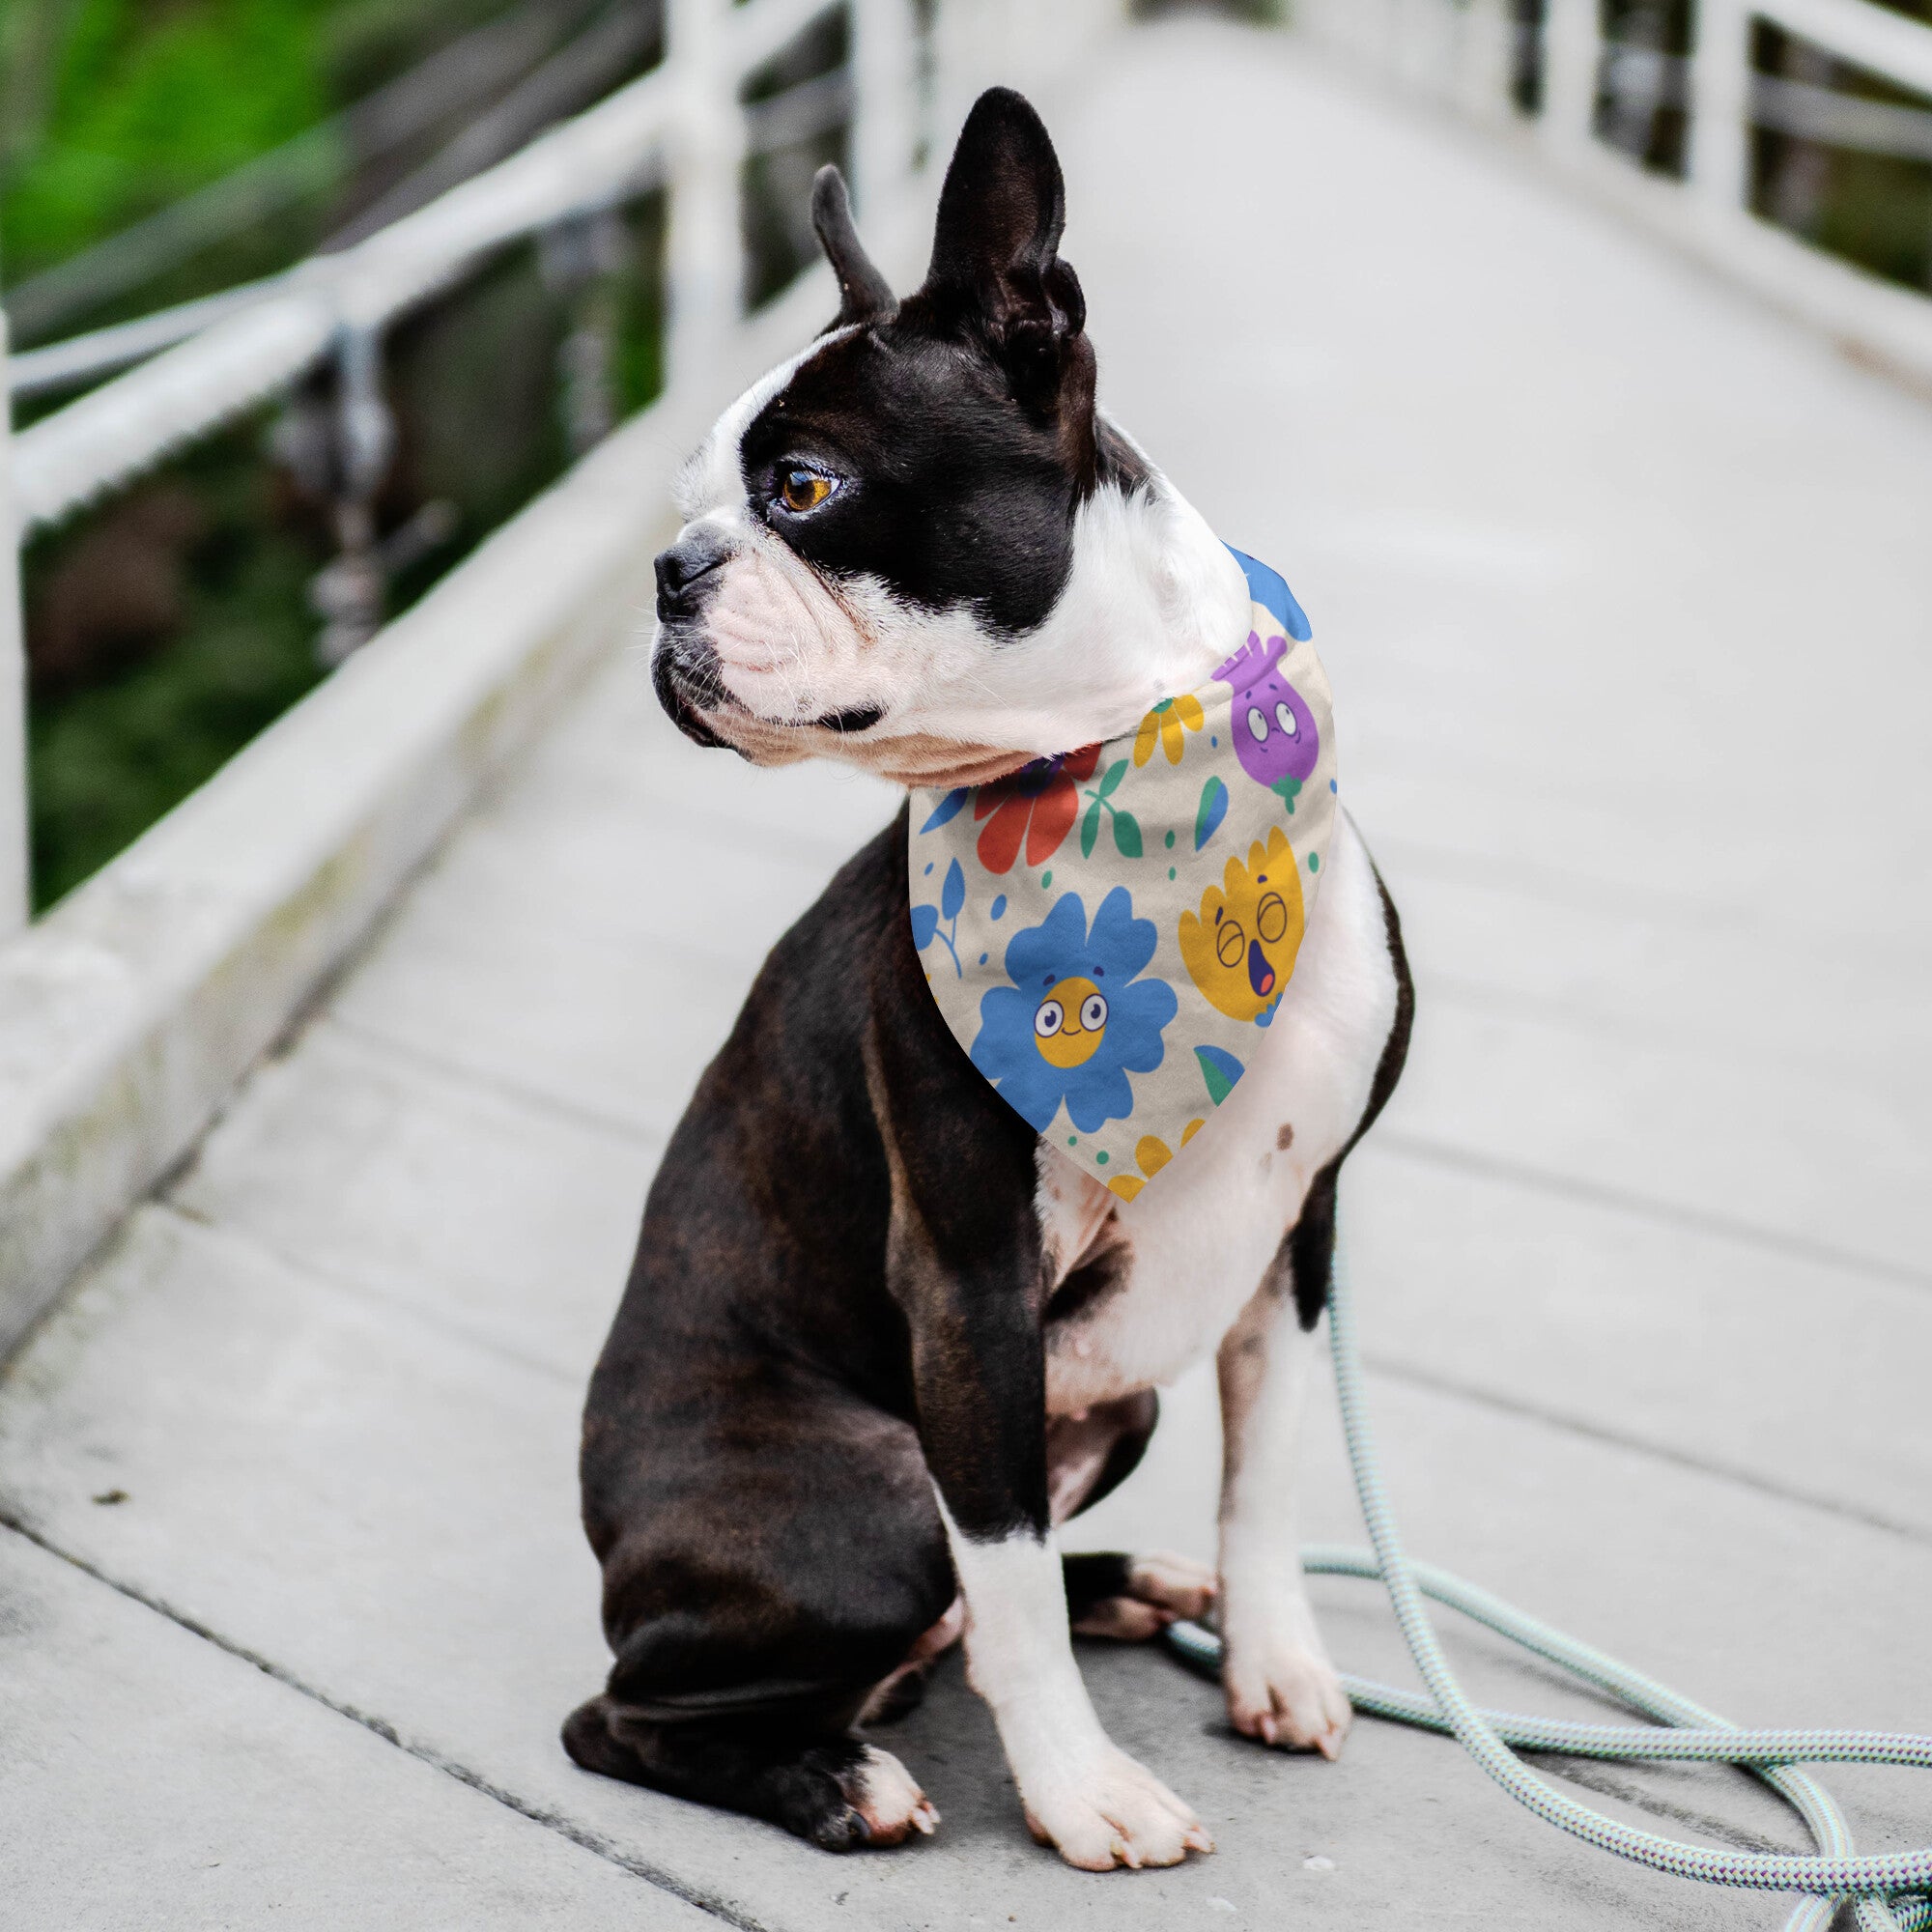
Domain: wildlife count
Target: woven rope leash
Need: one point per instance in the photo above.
(1880, 1886)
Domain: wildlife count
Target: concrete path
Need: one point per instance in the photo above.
(1624, 589)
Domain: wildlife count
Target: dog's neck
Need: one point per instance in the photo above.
(1154, 603)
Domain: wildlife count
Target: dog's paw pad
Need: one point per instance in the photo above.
(1114, 1812)
(886, 1800)
(1122, 1620)
(1288, 1695)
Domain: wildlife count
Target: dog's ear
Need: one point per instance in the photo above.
(994, 251)
(863, 292)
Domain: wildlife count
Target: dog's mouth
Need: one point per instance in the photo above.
(685, 678)
(693, 694)
(849, 724)
(688, 677)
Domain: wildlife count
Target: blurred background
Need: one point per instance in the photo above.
(160, 152)
(156, 155)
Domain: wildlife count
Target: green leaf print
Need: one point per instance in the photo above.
(1127, 835)
(1089, 829)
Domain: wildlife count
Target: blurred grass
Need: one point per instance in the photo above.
(107, 758)
(111, 109)
(472, 380)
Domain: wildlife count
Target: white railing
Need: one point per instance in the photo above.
(681, 125)
(1469, 54)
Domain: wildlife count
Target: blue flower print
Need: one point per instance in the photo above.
(1076, 1022)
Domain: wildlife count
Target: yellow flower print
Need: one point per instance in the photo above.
(1242, 949)
(1164, 722)
(1152, 1154)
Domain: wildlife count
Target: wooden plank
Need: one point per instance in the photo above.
(151, 1779)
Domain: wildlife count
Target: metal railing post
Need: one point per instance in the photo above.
(348, 594)
(13, 882)
(703, 253)
(1573, 49)
(579, 258)
(1721, 107)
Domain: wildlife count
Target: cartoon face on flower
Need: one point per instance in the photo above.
(1274, 731)
(1069, 1024)
(1242, 949)
(1075, 1021)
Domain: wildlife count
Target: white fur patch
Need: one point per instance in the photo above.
(1281, 1687)
(1204, 1234)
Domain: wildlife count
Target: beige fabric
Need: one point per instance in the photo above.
(1108, 933)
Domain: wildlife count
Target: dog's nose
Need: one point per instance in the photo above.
(685, 573)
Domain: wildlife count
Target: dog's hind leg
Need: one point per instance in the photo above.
(1130, 1598)
(761, 1579)
(827, 1786)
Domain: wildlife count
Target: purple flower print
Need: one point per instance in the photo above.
(1274, 731)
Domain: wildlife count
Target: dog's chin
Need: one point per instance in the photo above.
(914, 759)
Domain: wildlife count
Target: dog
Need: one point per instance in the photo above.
(880, 1338)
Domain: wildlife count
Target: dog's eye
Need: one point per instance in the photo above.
(1231, 943)
(1258, 725)
(1285, 717)
(1047, 1020)
(1094, 1012)
(802, 490)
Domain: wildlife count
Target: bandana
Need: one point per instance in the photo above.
(1108, 933)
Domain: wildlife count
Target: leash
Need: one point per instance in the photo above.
(1882, 1887)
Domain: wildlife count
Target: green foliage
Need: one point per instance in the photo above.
(110, 109)
(140, 104)
(108, 758)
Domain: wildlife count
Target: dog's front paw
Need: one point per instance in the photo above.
(1112, 1811)
(1283, 1692)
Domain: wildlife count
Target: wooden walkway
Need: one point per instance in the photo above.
(1624, 588)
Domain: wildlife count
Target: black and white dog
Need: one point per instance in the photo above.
(879, 1337)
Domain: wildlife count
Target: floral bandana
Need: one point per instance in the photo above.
(1108, 933)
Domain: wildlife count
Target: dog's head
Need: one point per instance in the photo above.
(917, 545)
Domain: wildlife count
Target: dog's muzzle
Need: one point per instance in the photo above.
(684, 665)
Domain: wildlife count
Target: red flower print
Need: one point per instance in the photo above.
(1036, 804)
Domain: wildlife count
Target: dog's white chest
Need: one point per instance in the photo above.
(1150, 1286)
